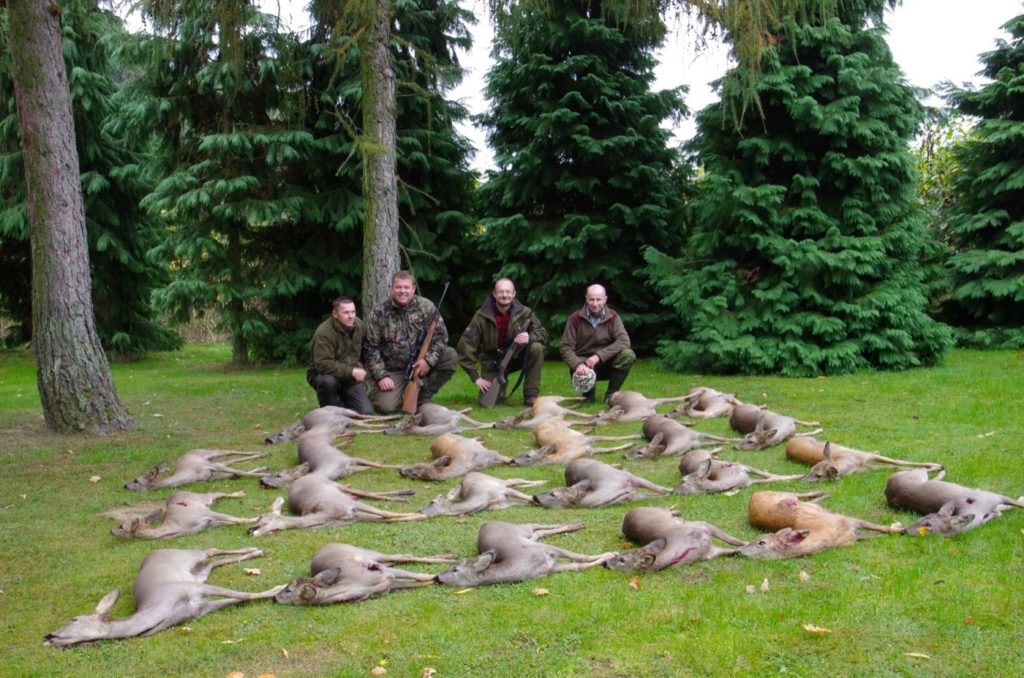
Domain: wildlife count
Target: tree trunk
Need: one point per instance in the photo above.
(75, 386)
(380, 181)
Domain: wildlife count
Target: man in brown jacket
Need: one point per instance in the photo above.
(595, 339)
(335, 367)
(503, 323)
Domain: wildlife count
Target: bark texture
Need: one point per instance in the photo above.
(380, 180)
(73, 375)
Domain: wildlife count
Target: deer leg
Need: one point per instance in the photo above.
(724, 536)
(224, 519)
(232, 596)
(605, 450)
(383, 496)
(540, 531)
(367, 512)
(599, 439)
(223, 468)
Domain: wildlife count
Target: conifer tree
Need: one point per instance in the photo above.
(584, 175)
(119, 233)
(987, 224)
(806, 255)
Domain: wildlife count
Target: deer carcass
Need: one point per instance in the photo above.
(626, 406)
(196, 466)
(770, 428)
(560, 444)
(713, 475)
(706, 403)
(454, 456)
(830, 461)
(668, 541)
(590, 483)
(667, 437)
(318, 454)
(950, 508)
(544, 408)
(478, 492)
(170, 588)
(341, 573)
(433, 420)
(803, 527)
(317, 501)
(510, 553)
(183, 513)
(330, 418)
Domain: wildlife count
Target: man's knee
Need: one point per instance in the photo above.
(623, 360)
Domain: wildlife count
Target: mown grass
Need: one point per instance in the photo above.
(958, 601)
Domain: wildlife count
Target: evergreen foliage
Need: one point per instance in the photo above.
(987, 224)
(119, 233)
(217, 99)
(585, 176)
(808, 254)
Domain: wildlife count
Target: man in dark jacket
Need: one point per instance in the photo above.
(335, 367)
(595, 339)
(391, 331)
(503, 323)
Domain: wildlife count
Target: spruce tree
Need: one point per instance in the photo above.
(585, 172)
(119, 233)
(807, 254)
(987, 224)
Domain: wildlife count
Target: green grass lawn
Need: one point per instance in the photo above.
(894, 605)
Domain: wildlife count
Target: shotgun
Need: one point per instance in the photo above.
(411, 394)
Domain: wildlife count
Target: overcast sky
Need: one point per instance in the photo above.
(932, 40)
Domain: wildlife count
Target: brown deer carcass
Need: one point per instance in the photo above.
(433, 420)
(830, 461)
(667, 437)
(317, 501)
(544, 408)
(183, 513)
(950, 508)
(170, 588)
(668, 541)
(454, 456)
(706, 403)
(342, 573)
(591, 483)
(511, 553)
(319, 453)
(330, 418)
(769, 428)
(478, 492)
(196, 466)
(709, 475)
(560, 444)
(627, 406)
(803, 527)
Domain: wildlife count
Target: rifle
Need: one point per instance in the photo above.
(489, 398)
(411, 394)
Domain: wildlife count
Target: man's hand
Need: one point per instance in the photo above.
(358, 374)
(592, 361)
(522, 338)
(582, 369)
(420, 368)
(482, 384)
(386, 384)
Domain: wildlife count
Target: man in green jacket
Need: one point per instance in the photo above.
(503, 323)
(335, 366)
(595, 339)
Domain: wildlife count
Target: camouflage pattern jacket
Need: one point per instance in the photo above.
(391, 333)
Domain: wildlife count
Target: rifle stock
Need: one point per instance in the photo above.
(489, 398)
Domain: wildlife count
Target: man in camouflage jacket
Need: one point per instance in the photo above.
(391, 332)
(335, 368)
(502, 322)
(595, 339)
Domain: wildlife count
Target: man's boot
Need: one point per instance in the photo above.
(615, 381)
(590, 396)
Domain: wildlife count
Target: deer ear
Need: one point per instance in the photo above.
(107, 602)
(484, 560)
(947, 509)
(328, 577)
(275, 508)
(656, 546)
(827, 451)
(705, 469)
(791, 537)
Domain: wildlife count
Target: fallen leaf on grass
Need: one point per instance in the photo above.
(968, 619)
(634, 583)
(253, 570)
(23, 496)
(235, 674)
(764, 585)
(818, 630)
(378, 671)
(94, 479)
(461, 591)
(751, 588)
(428, 672)
(538, 591)
(185, 629)
(266, 675)
(923, 531)
(916, 655)
(284, 653)
(157, 414)
(803, 576)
